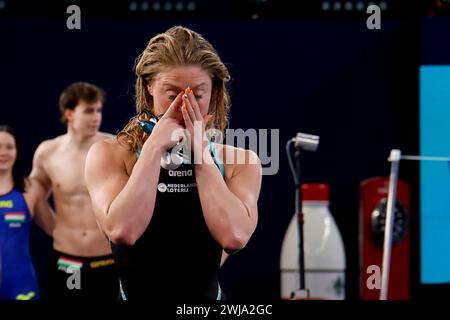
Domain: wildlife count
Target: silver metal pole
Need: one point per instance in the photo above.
(394, 158)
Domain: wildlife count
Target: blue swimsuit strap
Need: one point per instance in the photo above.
(213, 151)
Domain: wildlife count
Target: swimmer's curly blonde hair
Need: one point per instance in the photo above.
(178, 46)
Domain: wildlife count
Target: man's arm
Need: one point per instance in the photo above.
(41, 211)
(38, 190)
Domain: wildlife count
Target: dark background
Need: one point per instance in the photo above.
(322, 73)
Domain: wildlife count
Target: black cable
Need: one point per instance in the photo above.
(298, 213)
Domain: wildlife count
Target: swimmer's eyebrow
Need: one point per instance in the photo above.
(171, 86)
(200, 86)
(177, 88)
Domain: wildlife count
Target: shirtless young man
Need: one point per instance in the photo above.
(58, 165)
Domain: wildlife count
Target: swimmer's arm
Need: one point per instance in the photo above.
(44, 216)
(230, 208)
(123, 204)
(38, 190)
(40, 209)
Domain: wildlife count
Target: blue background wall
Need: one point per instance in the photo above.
(434, 115)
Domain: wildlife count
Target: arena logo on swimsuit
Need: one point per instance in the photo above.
(184, 173)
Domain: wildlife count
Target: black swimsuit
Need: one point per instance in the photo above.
(176, 258)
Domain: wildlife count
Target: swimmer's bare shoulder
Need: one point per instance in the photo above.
(104, 135)
(116, 150)
(44, 152)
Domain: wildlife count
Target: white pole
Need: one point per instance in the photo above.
(394, 158)
(425, 158)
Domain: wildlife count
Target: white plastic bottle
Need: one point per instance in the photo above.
(324, 252)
